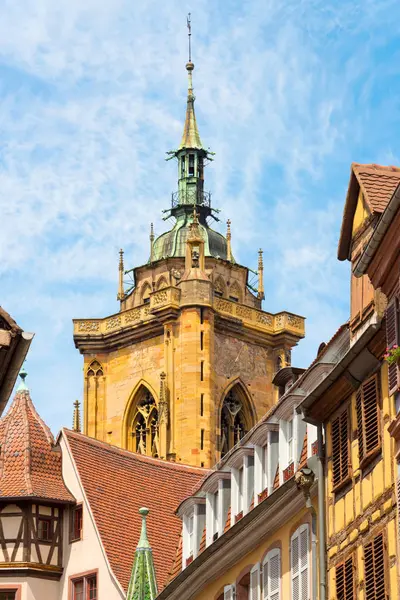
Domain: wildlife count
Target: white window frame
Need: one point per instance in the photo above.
(254, 593)
(302, 564)
(211, 516)
(230, 592)
(268, 594)
(290, 441)
(190, 533)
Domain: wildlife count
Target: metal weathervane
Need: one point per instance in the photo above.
(189, 26)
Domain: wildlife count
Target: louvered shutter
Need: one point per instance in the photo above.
(375, 572)
(254, 592)
(229, 592)
(340, 448)
(393, 338)
(367, 404)
(272, 575)
(295, 571)
(345, 580)
(304, 567)
(275, 576)
(300, 564)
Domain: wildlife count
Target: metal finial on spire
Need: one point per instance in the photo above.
(151, 242)
(189, 26)
(121, 293)
(260, 294)
(76, 421)
(143, 583)
(228, 241)
(22, 385)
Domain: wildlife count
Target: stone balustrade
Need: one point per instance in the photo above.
(170, 297)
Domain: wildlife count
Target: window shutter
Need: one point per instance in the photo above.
(304, 570)
(255, 583)
(272, 575)
(275, 577)
(345, 580)
(340, 448)
(374, 564)
(229, 592)
(300, 563)
(393, 338)
(295, 553)
(367, 403)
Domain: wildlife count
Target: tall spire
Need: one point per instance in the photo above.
(76, 421)
(228, 240)
(260, 275)
(191, 137)
(143, 584)
(121, 293)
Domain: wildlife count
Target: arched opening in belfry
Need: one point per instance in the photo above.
(236, 418)
(143, 424)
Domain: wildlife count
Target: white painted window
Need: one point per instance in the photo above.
(215, 515)
(271, 572)
(290, 442)
(300, 574)
(229, 592)
(265, 469)
(240, 491)
(190, 532)
(254, 588)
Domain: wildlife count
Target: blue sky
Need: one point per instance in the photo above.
(289, 93)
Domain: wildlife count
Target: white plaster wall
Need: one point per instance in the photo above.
(87, 554)
(34, 589)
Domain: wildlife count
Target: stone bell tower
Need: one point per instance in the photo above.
(185, 367)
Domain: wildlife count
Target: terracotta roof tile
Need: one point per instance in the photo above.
(117, 483)
(30, 464)
(177, 563)
(378, 184)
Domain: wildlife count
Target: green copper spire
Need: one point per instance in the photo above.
(143, 584)
(22, 385)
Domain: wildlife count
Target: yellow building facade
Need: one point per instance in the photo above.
(185, 368)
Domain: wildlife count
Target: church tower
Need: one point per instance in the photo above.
(184, 369)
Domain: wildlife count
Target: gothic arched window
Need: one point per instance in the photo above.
(235, 419)
(144, 428)
(95, 369)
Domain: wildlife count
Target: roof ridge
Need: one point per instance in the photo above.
(374, 166)
(134, 455)
(22, 399)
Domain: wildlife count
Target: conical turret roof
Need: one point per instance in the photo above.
(30, 463)
(143, 585)
(191, 136)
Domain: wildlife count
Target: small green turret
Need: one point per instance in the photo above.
(143, 584)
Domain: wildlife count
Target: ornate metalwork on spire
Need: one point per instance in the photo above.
(143, 584)
(22, 385)
(260, 293)
(151, 242)
(76, 421)
(121, 293)
(228, 241)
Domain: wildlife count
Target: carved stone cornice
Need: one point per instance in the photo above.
(236, 542)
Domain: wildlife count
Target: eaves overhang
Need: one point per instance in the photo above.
(236, 542)
(361, 266)
(308, 404)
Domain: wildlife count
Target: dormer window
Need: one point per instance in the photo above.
(215, 516)
(190, 532)
(191, 165)
(290, 441)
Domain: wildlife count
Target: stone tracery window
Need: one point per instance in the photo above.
(145, 425)
(95, 369)
(235, 420)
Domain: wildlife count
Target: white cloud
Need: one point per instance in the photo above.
(93, 94)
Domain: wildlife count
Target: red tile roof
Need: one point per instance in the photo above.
(117, 483)
(378, 184)
(30, 464)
